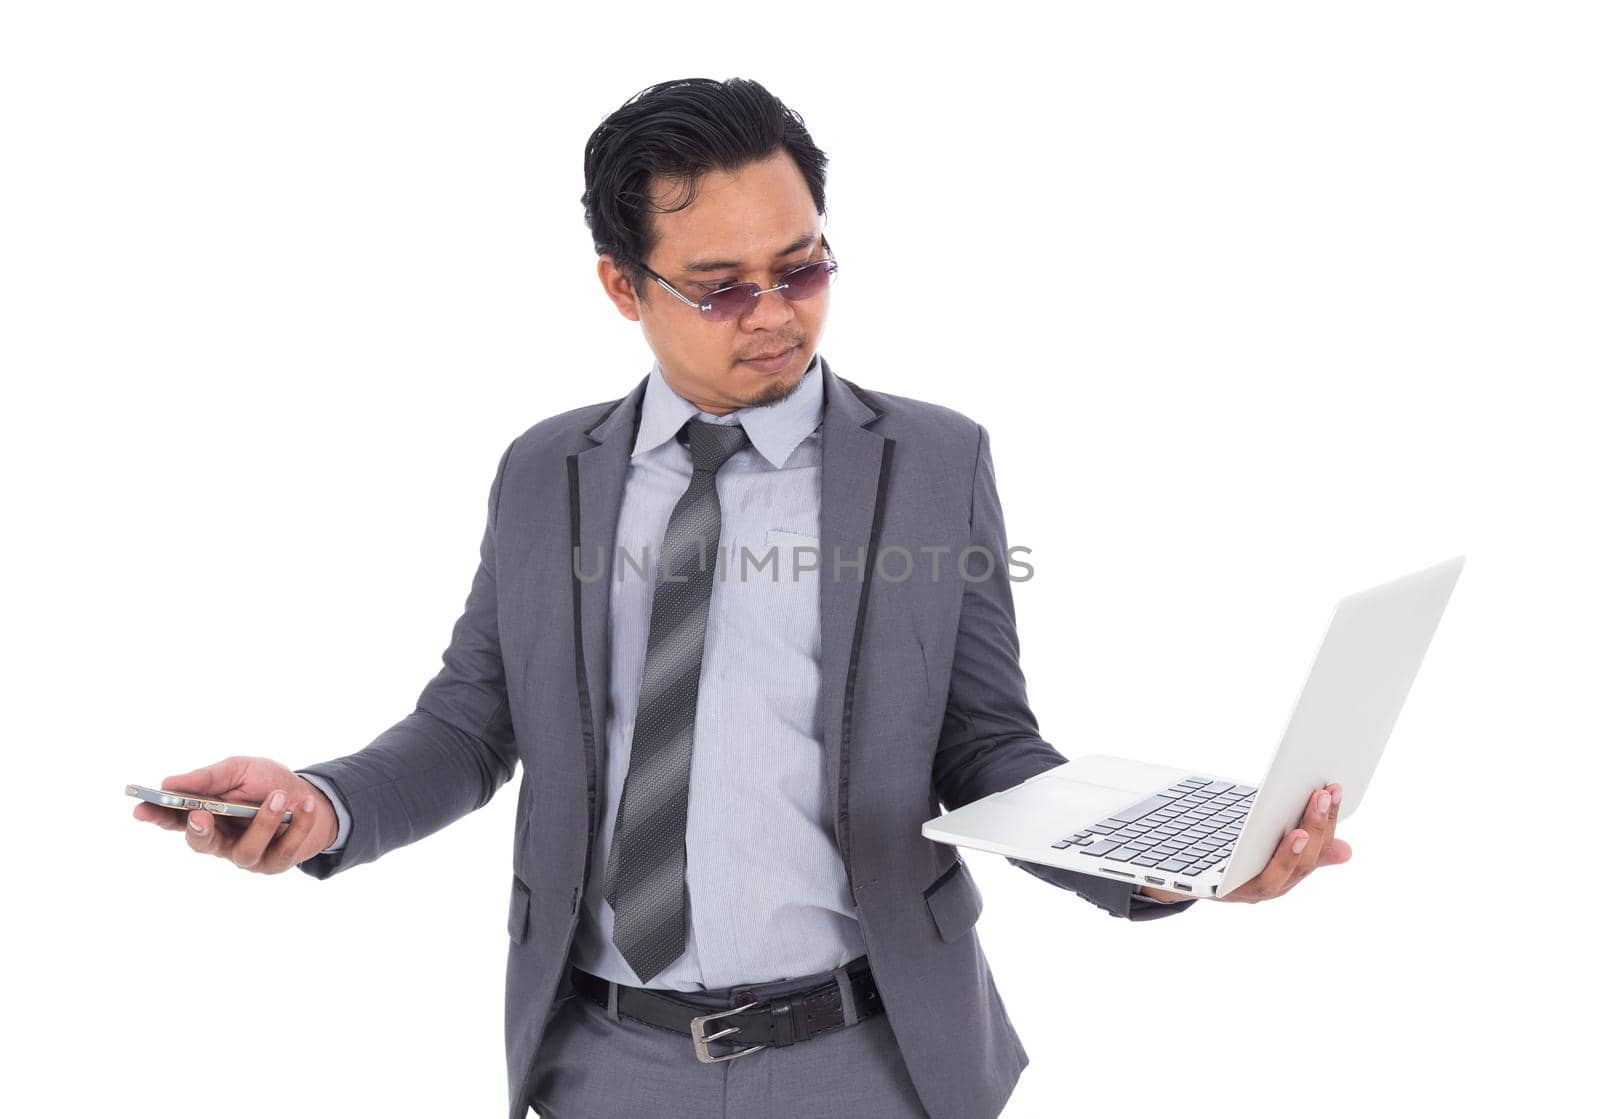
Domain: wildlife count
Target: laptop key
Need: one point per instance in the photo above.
(1143, 808)
(1102, 847)
(1122, 854)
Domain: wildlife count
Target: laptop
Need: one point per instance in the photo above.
(1189, 831)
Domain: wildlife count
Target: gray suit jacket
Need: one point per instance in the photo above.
(923, 701)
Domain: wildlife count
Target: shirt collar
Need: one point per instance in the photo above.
(775, 430)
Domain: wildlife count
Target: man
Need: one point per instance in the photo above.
(732, 708)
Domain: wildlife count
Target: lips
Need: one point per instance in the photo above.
(767, 357)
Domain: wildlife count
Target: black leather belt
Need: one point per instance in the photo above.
(784, 1021)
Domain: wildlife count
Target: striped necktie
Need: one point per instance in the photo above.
(645, 869)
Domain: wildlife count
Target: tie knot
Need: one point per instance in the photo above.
(711, 445)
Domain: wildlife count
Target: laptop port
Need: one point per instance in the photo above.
(1184, 886)
(1153, 878)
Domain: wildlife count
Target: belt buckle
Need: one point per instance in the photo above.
(697, 1029)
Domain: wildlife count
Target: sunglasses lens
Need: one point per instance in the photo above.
(808, 281)
(729, 303)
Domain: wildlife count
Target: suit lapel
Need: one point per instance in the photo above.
(601, 472)
(855, 465)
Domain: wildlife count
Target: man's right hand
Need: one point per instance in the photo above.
(263, 844)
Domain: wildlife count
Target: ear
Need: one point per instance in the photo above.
(618, 287)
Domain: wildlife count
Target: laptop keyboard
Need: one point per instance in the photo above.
(1185, 829)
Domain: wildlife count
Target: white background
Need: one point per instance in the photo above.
(1262, 304)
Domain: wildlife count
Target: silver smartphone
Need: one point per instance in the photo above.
(190, 800)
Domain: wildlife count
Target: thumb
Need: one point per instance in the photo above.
(211, 780)
(1334, 852)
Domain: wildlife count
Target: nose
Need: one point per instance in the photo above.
(771, 312)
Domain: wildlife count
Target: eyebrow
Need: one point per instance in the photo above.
(734, 265)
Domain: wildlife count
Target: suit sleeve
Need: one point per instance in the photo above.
(448, 756)
(990, 740)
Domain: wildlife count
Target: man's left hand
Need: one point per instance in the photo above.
(1301, 851)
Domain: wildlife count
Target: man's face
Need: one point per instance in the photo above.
(747, 227)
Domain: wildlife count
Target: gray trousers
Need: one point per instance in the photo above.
(593, 1064)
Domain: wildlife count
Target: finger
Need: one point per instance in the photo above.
(1330, 850)
(284, 851)
(212, 780)
(1318, 825)
(1275, 877)
(252, 844)
(203, 835)
(167, 818)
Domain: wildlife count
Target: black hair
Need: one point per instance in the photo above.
(677, 130)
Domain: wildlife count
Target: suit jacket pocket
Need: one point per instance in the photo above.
(954, 901)
(517, 919)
